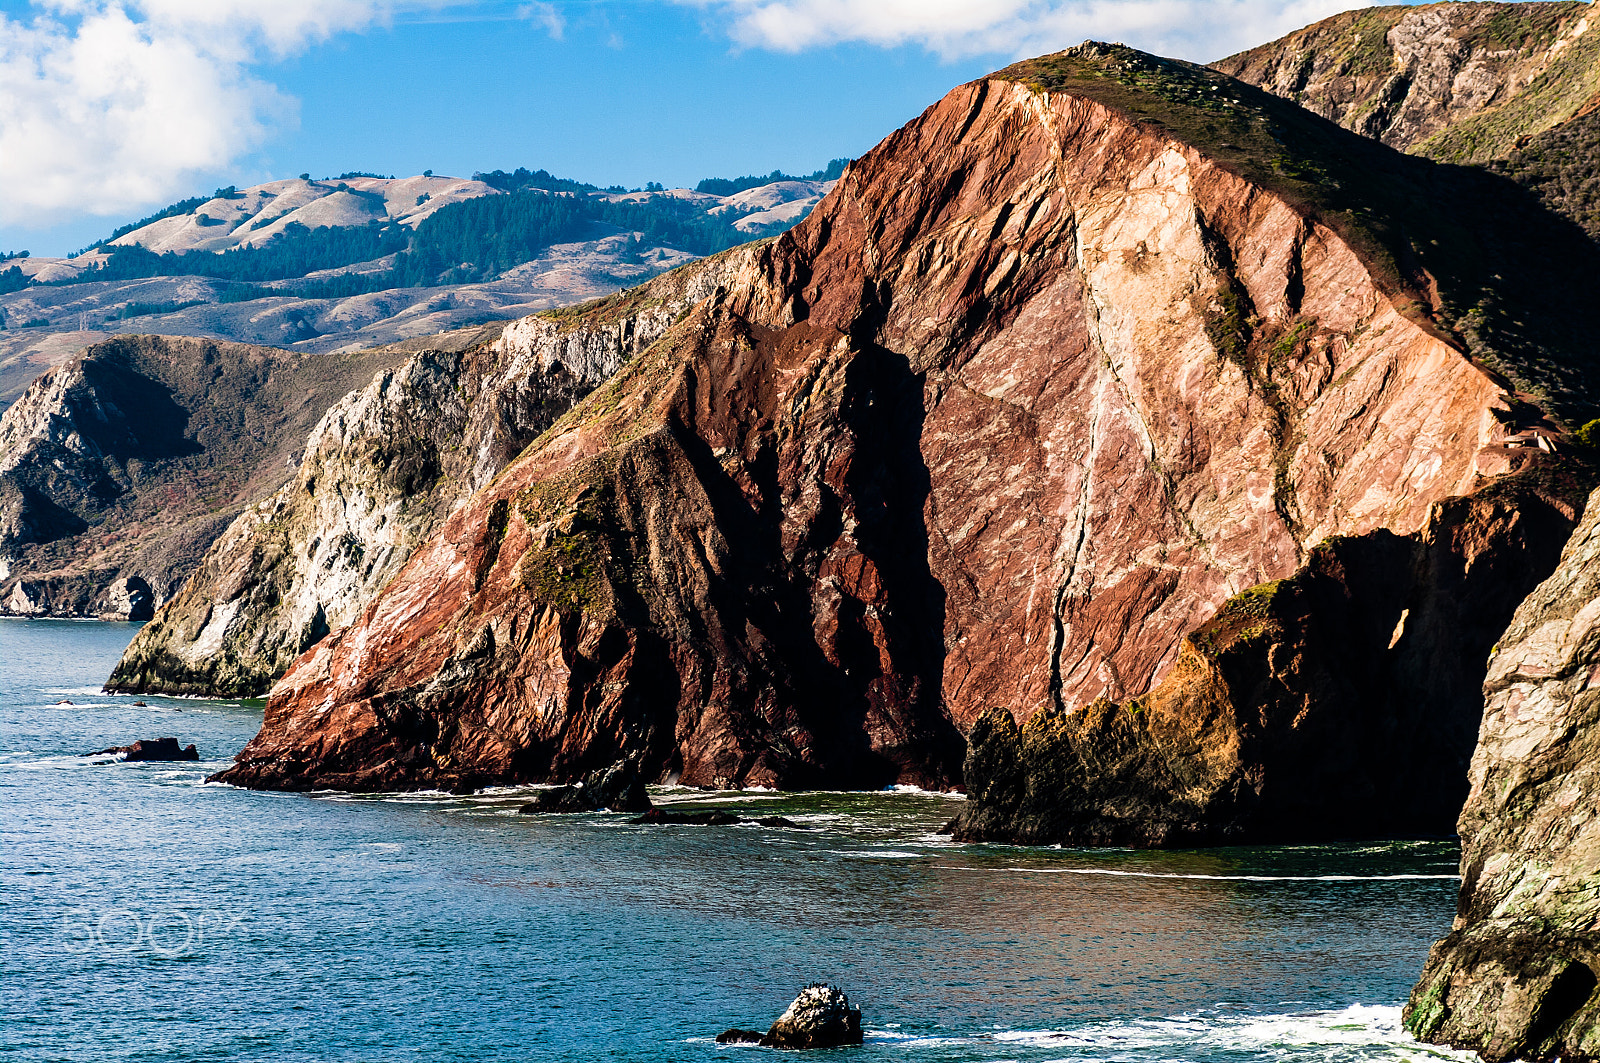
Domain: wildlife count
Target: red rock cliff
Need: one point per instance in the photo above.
(1035, 390)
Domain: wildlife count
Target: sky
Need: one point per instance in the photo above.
(111, 109)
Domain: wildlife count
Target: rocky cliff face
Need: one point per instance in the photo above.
(1041, 385)
(1340, 702)
(120, 467)
(381, 469)
(1455, 81)
(1516, 977)
(1512, 86)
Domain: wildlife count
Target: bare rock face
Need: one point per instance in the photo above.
(820, 1017)
(120, 467)
(1454, 81)
(1516, 976)
(1050, 376)
(379, 471)
(1339, 702)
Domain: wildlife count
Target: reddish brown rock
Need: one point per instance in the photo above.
(1037, 388)
(1340, 702)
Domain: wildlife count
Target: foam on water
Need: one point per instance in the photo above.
(1123, 873)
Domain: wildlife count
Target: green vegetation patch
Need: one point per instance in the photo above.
(1556, 95)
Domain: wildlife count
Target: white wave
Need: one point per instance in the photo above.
(1360, 1032)
(1119, 873)
(917, 791)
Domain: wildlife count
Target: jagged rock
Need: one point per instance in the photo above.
(1339, 702)
(151, 749)
(120, 466)
(820, 1017)
(617, 788)
(383, 466)
(1039, 387)
(740, 1037)
(713, 817)
(1516, 976)
(1453, 80)
(128, 598)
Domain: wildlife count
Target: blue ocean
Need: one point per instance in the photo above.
(150, 916)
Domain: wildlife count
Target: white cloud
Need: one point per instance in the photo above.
(1200, 30)
(107, 106)
(546, 15)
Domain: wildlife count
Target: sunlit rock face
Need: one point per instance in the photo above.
(1037, 388)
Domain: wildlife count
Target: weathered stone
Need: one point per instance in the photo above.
(128, 598)
(1033, 393)
(1339, 702)
(1415, 76)
(381, 469)
(619, 787)
(125, 463)
(820, 1017)
(151, 749)
(1516, 976)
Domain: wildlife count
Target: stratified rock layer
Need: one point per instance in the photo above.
(1516, 977)
(381, 469)
(1340, 702)
(1027, 398)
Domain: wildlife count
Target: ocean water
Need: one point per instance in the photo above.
(150, 916)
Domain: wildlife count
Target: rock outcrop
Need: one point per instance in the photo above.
(1089, 348)
(1455, 81)
(383, 466)
(119, 468)
(1516, 976)
(820, 1017)
(157, 749)
(1512, 86)
(1340, 702)
(617, 788)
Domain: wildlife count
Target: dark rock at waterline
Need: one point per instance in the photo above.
(820, 1017)
(710, 818)
(152, 749)
(714, 817)
(618, 788)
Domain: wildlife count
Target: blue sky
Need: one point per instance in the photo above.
(112, 108)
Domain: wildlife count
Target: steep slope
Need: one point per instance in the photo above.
(1088, 348)
(119, 467)
(1458, 82)
(1515, 87)
(1516, 977)
(381, 469)
(1340, 702)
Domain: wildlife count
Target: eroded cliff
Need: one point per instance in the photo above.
(380, 470)
(1516, 976)
(120, 467)
(1515, 87)
(1460, 82)
(1087, 349)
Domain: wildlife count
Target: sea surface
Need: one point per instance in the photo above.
(150, 916)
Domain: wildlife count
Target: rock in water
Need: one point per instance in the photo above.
(152, 749)
(820, 1017)
(1516, 976)
(618, 788)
